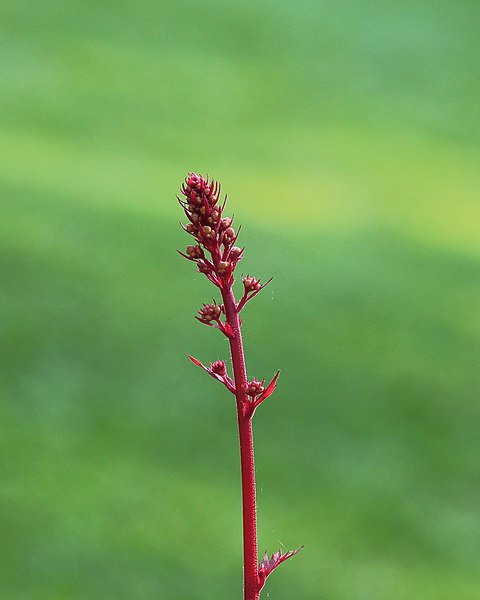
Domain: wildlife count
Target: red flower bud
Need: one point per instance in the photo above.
(209, 312)
(194, 251)
(219, 367)
(208, 232)
(235, 253)
(222, 267)
(251, 284)
(254, 387)
(226, 223)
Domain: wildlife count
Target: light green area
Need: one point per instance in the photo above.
(347, 137)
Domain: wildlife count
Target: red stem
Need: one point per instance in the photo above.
(249, 504)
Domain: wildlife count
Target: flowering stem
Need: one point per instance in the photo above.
(249, 505)
(215, 236)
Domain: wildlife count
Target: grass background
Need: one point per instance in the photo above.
(347, 137)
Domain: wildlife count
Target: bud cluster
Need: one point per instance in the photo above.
(251, 284)
(212, 231)
(255, 387)
(213, 250)
(209, 313)
(251, 287)
(195, 252)
(219, 368)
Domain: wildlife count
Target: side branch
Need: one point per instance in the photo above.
(268, 391)
(218, 371)
(258, 394)
(252, 287)
(210, 315)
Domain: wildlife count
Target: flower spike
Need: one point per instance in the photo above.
(216, 255)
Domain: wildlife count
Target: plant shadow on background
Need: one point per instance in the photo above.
(119, 458)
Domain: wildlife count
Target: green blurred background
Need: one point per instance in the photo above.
(347, 137)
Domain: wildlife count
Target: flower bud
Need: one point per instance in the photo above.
(194, 251)
(251, 284)
(222, 267)
(219, 368)
(254, 388)
(226, 223)
(192, 180)
(235, 253)
(209, 312)
(229, 233)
